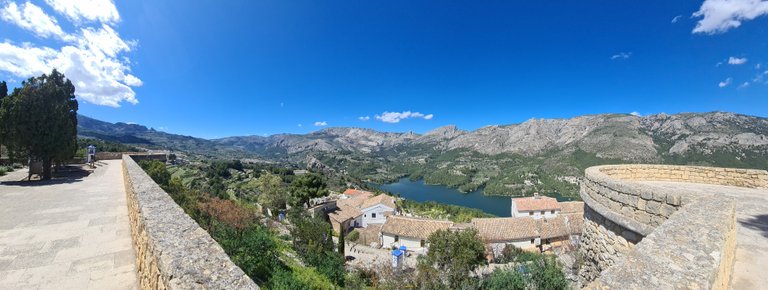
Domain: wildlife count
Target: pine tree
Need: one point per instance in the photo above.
(41, 120)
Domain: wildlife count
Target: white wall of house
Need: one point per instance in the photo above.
(498, 247)
(413, 244)
(357, 222)
(375, 214)
(537, 214)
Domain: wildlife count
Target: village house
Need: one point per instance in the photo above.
(345, 218)
(410, 232)
(536, 206)
(497, 233)
(376, 209)
(359, 208)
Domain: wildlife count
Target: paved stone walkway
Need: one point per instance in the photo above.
(751, 234)
(67, 233)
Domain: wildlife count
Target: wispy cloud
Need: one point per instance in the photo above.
(93, 58)
(725, 83)
(718, 16)
(321, 123)
(621, 55)
(737, 61)
(677, 18)
(364, 118)
(299, 125)
(743, 85)
(396, 117)
(636, 114)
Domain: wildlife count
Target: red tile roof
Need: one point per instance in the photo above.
(535, 204)
(506, 229)
(352, 191)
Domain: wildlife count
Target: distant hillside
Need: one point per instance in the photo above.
(539, 154)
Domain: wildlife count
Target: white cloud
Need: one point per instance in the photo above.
(718, 16)
(321, 123)
(364, 118)
(677, 18)
(299, 125)
(758, 66)
(636, 114)
(761, 77)
(737, 61)
(32, 18)
(621, 55)
(396, 117)
(744, 85)
(93, 59)
(725, 83)
(86, 10)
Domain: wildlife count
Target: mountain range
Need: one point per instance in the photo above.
(526, 155)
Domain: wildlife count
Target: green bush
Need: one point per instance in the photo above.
(353, 236)
(505, 279)
(285, 280)
(546, 273)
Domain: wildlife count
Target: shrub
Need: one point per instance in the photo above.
(546, 273)
(503, 279)
(353, 236)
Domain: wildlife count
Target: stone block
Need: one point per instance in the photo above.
(646, 194)
(654, 207)
(673, 199)
(659, 196)
(666, 210)
(641, 204)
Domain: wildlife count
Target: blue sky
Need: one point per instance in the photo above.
(223, 68)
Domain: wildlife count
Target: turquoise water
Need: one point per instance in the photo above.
(418, 191)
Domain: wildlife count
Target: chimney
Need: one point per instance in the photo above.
(536, 195)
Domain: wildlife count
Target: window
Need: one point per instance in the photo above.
(542, 212)
(533, 241)
(422, 243)
(553, 212)
(373, 215)
(530, 213)
(397, 238)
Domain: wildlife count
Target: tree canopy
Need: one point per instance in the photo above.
(306, 187)
(40, 120)
(452, 256)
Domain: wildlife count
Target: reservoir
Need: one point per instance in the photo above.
(418, 191)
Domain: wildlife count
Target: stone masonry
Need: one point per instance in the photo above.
(172, 251)
(621, 211)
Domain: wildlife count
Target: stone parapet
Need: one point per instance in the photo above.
(695, 174)
(694, 249)
(172, 251)
(626, 220)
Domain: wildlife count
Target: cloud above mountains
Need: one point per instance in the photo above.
(93, 57)
(396, 117)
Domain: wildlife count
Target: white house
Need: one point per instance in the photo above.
(410, 232)
(497, 233)
(536, 207)
(345, 218)
(376, 209)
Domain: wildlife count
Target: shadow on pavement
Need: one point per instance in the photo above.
(759, 223)
(65, 174)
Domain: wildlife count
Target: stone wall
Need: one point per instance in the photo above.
(172, 251)
(694, 249)
(620, 213)
(697, 174)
